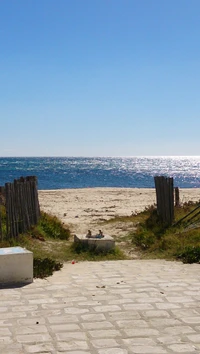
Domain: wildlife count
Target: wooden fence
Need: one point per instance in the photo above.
(22, 210)
(165, 199)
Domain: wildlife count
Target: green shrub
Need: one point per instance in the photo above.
(169, 243)
(80, 247)
(53, 227)
(191, 254)
(143, 238)
(43, 268)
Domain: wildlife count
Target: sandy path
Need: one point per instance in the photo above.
(84, 209)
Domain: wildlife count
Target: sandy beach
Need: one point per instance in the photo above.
(88, 208)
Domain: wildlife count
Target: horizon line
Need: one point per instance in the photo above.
(97, 156)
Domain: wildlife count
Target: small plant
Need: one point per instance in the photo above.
(144, 239)
(53, 227)
(191, 254)
(79, 247)
(94, 253)
(43, 268)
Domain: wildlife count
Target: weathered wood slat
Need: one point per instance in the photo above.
(1, 230)
(165, 199)
(177, 197)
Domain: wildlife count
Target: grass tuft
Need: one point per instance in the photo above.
(52, 227)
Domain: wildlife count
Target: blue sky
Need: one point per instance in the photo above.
(99, 77)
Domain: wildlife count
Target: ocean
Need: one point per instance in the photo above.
(82, 172)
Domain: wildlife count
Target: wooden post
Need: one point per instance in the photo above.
(8, 210)
(165, 199)
(36, 200)
(13, 211)
(177, 197)
(25, 204)
(30, 199)
(1, 231)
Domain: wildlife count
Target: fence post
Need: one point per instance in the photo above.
(1, 231)
(177, 197)
(36, 200)
(8, 210)
(2, 202)
(165, 199)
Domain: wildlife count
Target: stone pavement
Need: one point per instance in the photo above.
(114, 307)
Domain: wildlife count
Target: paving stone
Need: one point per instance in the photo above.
(112, 351)
(75, 310)
(139, 332)
(93, 317)
(178, 330)
(12, 348)
(3, 309)
(109, 333)
(4, 332)
(185, 312)
(33, 338)
(39, 301)
(138, 306)
(149, 299)
(74, 352)
(123, 315)
(71, 336)
(12, 315)
(97, 325)
(163, 322)
(64, 327)
(194, 319)
(144, 349)
(156, 313)
(179, 299)
(40, 348)
(182, 348)
(120, 301)
(54, 306)
(138, 341)
(194, 338)
(107, 308)
(31, 321)
(24, 308)
(62, 319)
(167, 306)
(37, 328)
(134, 295)
(104, 343)
(5, 323)
(5, 340)
(132, 323)
(170, 339)
(72, 345)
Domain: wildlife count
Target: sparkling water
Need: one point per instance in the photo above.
(81, 172)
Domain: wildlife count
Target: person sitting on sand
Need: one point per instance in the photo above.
(89, 234)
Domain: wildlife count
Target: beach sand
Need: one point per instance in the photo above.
(88, 208)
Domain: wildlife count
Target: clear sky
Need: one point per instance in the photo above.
(99, 77)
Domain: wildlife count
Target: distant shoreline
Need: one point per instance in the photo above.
(145, 188)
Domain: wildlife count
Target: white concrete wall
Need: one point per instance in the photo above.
(16, 267)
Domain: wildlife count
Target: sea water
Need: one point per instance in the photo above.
(82, 172)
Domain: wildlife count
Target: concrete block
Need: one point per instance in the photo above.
(107, 243)
(16, 265)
